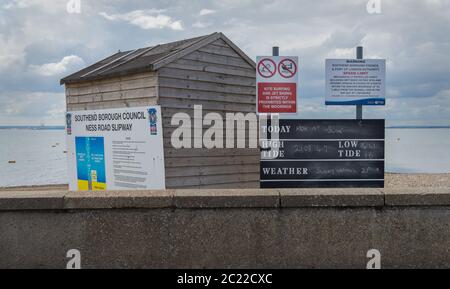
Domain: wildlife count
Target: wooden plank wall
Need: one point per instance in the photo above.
(217, 78)
(125, 91)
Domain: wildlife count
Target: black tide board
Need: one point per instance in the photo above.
(323, 154)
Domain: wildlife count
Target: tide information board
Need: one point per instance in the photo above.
(115, 149)
(277, 84)
(355, 81)
(323, 153)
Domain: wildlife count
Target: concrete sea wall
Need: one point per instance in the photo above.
(226, 228)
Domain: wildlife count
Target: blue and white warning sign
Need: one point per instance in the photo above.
(355, 81)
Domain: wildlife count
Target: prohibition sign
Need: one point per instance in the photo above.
(267, 68)
(287, 68)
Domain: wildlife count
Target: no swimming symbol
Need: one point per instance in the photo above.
(267, 68)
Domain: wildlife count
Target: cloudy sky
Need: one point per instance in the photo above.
(40, 42)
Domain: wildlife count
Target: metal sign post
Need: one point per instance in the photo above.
(275, 51)
(359, 107)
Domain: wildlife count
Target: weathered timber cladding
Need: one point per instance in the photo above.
(125, 91)
(217, 78)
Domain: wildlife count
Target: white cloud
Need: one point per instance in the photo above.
(109, 17)
(30, 107)
(200, 24)
(48, 6)
(33, 32)
(57, 68)
(443, 97)
(146, 19)
(9, 59)
(12, 54)
(205, 12)
(16, 4)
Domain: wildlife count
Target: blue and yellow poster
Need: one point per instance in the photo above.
(90, 159)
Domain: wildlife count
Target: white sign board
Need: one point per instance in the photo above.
(277, 84)
(355, 81)
(115, 149)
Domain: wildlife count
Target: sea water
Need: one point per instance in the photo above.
(40, 157)
(424, 150)
(38, 154)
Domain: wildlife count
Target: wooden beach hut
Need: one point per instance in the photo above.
(210, 71)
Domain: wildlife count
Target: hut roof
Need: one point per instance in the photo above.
(147, 59)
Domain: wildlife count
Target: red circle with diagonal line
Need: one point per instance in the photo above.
(287, 68)
(267, 68)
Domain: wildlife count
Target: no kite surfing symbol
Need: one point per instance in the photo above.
(267, 68)
(287, 68)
